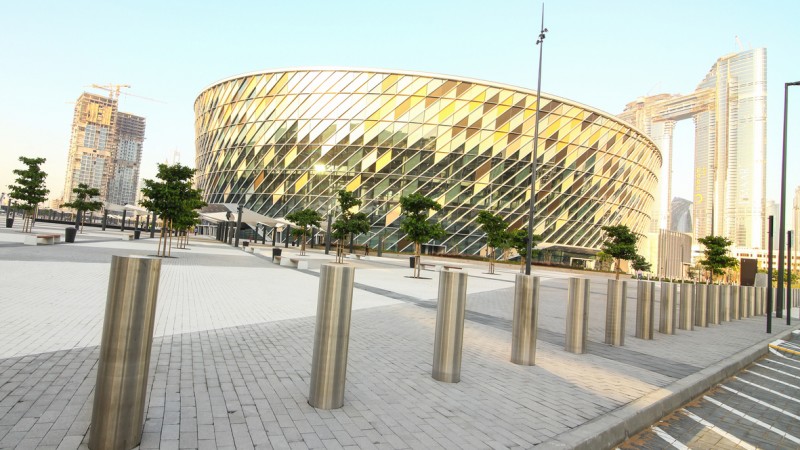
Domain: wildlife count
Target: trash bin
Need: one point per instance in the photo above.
(245, 243)
(137, 233)
(412, 262)
(9, 222)
(69, 234)
(275, 252)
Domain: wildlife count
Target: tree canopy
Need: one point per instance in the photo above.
(716, 255)
(640, 263)
(620, 243)
(349, 222)
(415, 209)
(173, 198)
(518, 240)
(83, 201)
(29, 189)
(497, 235)
(303, 219)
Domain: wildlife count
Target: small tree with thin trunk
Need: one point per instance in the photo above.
(172, 198)
(640, 263)
(29, 189)
(716, 252)
(83, 202)
(620, 244)
(349, 223)
(303, 219)
(519, 241)
(415, 209)
(497, 235)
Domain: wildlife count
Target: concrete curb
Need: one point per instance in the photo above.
(607, 431)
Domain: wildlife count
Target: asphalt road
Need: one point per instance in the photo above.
(757, 408)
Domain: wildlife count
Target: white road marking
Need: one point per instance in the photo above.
(786, 435)
(719, 431)
(769, 390)
(777, 353)
(782, 364)
(670, 440)
(761, 402)
(776, 370)
(773, 379)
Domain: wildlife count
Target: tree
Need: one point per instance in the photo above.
(174, 200)
(639, 263)
(620, 244)
(349, 223)
(518, 239)
(415, 209)
(303, 219)
(604, 260)
(716, 255)
(497, 235)
(29, 189)
(83, 202)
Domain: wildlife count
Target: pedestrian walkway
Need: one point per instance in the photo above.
(232, 354)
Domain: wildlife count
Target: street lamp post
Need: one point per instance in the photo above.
(782, 225)
(769, 273)
(532, 212)
(789, 278)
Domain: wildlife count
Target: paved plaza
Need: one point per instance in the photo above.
(233, 341)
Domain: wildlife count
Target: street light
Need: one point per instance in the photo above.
(782, 226)
(532, 212)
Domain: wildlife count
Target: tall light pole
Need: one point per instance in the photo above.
(782, 225)
(532, 212)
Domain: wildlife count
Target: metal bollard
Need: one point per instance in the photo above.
(713, 304)
(645, 301)
(577, 315)
(616, 294)
(686, 311)
(701, 305)
(123, 368)
(666, 320)
(725, 303)
(526, 319)
(757, 300)
(751, 301)
(449, 339)
(744, 306)
(331, 336)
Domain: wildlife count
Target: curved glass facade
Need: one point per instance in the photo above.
(281, 140)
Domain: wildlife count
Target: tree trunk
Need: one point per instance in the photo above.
(169, 248)
(491, 260)
(303, 244)
(417, 260)
(616, 268)
(160, 240)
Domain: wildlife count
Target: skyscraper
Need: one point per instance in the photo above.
(729, 111)
(681, 215)
(105, 149)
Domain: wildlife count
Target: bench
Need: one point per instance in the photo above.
(355, 256)
(249, 249)
(439, 266)
(42, 239)
(127, 237)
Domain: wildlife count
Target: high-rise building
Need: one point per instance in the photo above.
(105, 149)
(681, 215)
(729, 109)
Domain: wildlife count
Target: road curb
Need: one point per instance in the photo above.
(610, 429)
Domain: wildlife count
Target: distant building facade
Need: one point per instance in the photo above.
(681, 215)
(729, 109)
(105, 150)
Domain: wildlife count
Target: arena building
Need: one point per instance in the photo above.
(280, 140)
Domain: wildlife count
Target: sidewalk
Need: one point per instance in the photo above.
(232, 354)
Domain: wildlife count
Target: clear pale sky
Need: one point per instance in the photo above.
(603, 54)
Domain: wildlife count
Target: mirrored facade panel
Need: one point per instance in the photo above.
(282, 140)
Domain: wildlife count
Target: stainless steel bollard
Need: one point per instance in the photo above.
(331, 336)
(123, 368)
(577, 315)
(744, 302)
(686, 311)
(736, 302)
(616, 294)
(450, 314)
(757, 300)
(751, 301)
(645, 304)
(701, 305)
(666, 320)
(725, 302)
(713, 304)
(526, 319)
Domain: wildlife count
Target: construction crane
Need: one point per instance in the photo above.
(114, 91)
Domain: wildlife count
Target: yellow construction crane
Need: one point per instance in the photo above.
(114, 91)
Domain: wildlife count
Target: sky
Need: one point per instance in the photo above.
(602, 54)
